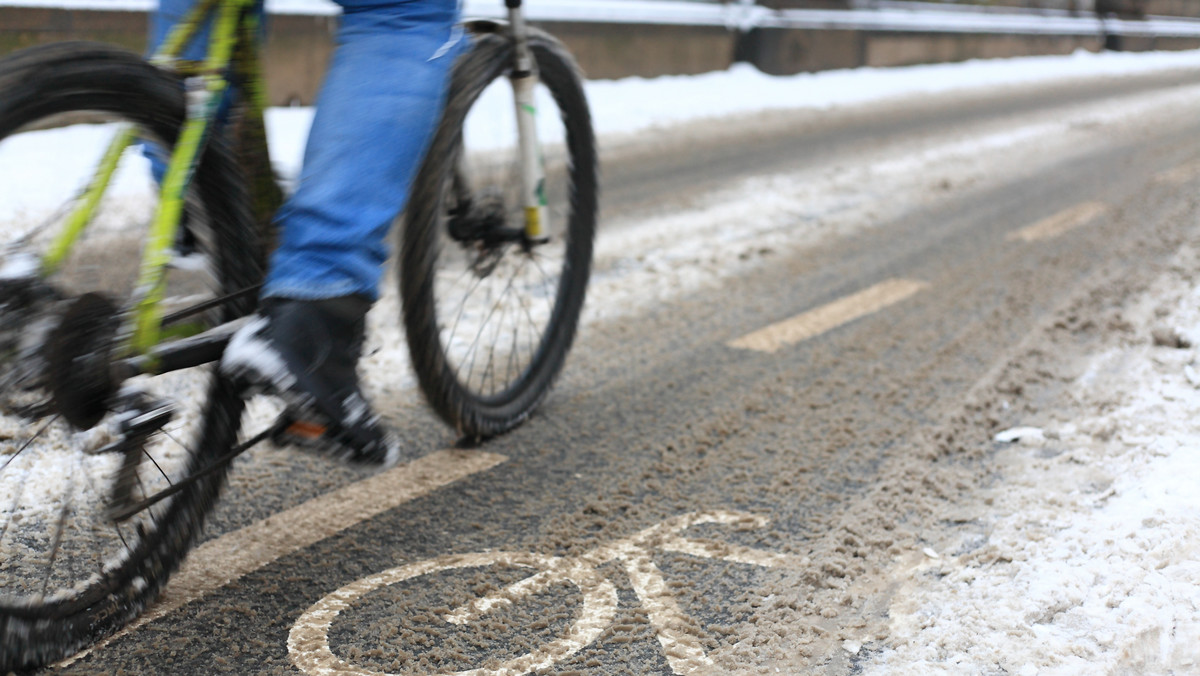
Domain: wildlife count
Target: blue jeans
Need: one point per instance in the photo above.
(376, 114)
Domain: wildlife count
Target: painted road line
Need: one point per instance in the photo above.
(815, 322)
(311, 652)
(1063, 221)
(1184, 173)
(308, 641)
(218, 562)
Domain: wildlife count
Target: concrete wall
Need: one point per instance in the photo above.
(23, 27)
(1189, 8)
(297, 49)
(621, 50)
(782, 52)
(907, 49)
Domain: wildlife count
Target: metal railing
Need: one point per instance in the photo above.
(912, 17)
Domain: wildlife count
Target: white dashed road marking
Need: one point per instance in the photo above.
(218, 562)
(827, 317)
(1180, 175)
(1063, 221)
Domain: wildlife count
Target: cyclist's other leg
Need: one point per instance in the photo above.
(379, 105)
(166, 16)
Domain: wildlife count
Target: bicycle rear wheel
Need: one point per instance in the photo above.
(70, 572)
(490, 317)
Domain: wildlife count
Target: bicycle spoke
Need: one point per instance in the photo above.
(149, 507)
(477, 365)
(545, 281)
(175, 439)
(214, 467)
(121, 536)
(512, 352)
(70, 552)
(12, 509)
(155, 462)
(32, 439)
(60, 526)
(463, 304)
(479, 335)
(98, 498)
(528, 310)
(23, 240)
(490, 351)
(83, 470)
(490, 369)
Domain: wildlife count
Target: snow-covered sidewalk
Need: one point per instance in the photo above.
(635, 105)
(1085, 559)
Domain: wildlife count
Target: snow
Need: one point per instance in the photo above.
(626, 107)
(1090, 565)
(18, 266)
(1075, 581)
(634, 105)
(1091, 562)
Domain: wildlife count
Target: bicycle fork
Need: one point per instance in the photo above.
(524, 80)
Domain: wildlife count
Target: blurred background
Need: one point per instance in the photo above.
(621, 38)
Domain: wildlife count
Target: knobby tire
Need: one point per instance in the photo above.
(473, 413)
(67, 77)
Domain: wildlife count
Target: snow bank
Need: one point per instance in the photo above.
(1092, 553)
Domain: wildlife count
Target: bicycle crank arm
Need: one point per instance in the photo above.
(120, 511)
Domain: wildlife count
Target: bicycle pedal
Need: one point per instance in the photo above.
(290, 430)
(308, 431)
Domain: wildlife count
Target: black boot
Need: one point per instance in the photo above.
(306, 351)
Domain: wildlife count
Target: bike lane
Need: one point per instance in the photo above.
(244, 627)
(683, 424)
(691, 425)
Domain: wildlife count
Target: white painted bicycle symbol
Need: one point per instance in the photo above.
(308, 642)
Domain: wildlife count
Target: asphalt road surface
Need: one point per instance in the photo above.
(729, 463)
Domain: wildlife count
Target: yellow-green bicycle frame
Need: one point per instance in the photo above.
(233, 44)
(207, 83)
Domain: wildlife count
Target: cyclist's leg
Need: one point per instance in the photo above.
(165, 17)
(376, 113)
(162, 20)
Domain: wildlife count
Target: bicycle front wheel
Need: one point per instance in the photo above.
(80, 551)
(490, 316)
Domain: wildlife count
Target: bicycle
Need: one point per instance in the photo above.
(118, 430)
(308, 641)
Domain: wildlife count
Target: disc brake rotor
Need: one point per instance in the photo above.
(79, 360)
